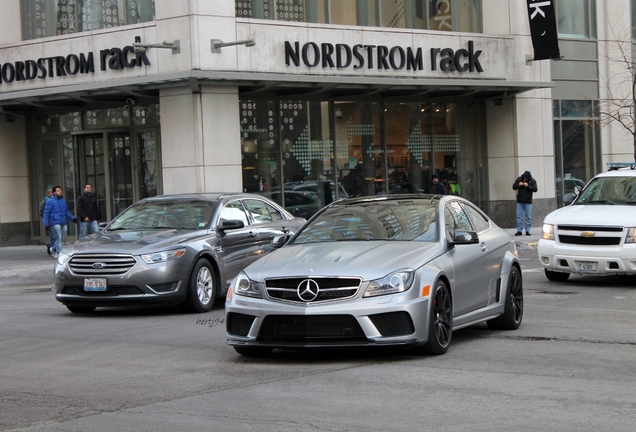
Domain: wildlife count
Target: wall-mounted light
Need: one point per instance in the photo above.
(175, 46)
(217, 44)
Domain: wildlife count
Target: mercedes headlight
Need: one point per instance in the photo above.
(244, 286)
(393, 283)
(631, 235)
(164, 256)
(547, 232)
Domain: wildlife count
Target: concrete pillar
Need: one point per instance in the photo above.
(200, 140)
(14, 183)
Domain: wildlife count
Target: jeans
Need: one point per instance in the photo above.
(521, 209)
(85, 226)
(58, 233)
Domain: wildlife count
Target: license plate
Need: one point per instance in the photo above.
(586, 266)
(95, 284)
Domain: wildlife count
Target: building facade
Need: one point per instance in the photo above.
(304, 101)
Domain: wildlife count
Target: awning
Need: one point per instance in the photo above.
(255, 85)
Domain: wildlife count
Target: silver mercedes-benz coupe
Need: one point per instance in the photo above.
(170, 249)
(400, 270)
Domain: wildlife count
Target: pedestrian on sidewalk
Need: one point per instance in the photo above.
(49, 194)
(87, 212)
(56, 213)
(525, 186)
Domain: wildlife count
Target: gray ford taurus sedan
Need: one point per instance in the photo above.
(170, 249)
(403, 270)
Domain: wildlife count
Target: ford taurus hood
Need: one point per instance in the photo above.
(367, 259)
(132, 242)
(594, 214)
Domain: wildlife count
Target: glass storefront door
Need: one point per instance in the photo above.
(93, 166)
(120, 169)
(105, 161)
(56, 162)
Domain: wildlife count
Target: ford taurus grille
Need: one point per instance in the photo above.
(312, 289)
(93, 265)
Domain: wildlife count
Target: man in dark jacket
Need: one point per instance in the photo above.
(437, 187)
(55, 214)
(525, 186)
(87, 211)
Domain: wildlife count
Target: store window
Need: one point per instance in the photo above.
(441, 15)
(577, 144)
(43, 18)
(306, 154)
(576, 18)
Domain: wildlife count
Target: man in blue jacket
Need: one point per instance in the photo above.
(55, 214)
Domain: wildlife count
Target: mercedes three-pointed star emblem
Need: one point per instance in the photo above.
(308, 290)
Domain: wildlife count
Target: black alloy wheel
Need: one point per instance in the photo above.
(513, 307)
(440, 330)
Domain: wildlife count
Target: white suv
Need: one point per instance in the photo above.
(596, 234)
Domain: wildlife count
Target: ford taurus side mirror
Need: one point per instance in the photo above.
(461, 237)
(279, 241)
(228, 225)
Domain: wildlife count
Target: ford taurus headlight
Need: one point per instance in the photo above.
(63, 258)
(395, 282)
(631, 235)
(244, 286)
(547, 233)
(164, 256)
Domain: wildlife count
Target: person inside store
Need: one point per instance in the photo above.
(437, 187)
(56, 213)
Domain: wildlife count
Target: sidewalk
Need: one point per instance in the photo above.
(526, 241)
(26, 266)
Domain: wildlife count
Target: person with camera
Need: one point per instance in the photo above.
(525, 186)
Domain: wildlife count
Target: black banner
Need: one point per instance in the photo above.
(543, 29)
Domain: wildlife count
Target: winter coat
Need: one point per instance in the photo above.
(56, 212)
(438, 189)
(87, 207)
(524, 193)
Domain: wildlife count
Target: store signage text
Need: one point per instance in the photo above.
(342, 56)
(72, 64)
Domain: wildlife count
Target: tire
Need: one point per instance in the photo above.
(253, 351)
(201, 287)
(440, 328)
(513, 306)
(80, 309)
(556, 276)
